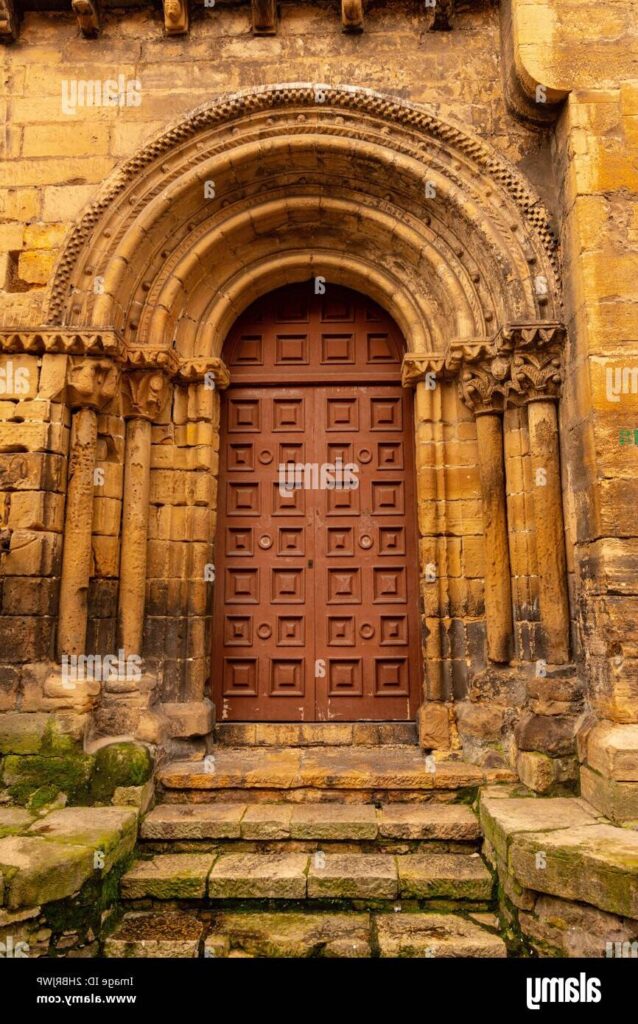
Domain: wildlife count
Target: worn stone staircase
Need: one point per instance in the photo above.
(303, 849)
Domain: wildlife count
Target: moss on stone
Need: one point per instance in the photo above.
(119, 764)
(70, 775)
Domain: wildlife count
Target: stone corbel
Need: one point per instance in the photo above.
(416, 365)
(176, 17)
(352, 15)
(264, 17)
(87, 13)
(442, 15)
(91, 382)
(8, 21)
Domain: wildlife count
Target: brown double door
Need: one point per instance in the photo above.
(316, 585)
(316, 601)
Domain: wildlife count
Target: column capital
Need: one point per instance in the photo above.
(197, 371)
(144, 394)
(416, 365)
(91, 382)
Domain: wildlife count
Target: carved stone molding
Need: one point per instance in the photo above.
(484, 385)
(195, 371)
(416, 365)
(264, 17)
(88, 15)
(176, 17)
(8, 21)
(91, 383)
(71, 341)
(152, 357)
(352, 15)
(144, 394)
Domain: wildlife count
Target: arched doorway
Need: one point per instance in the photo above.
(316, 604)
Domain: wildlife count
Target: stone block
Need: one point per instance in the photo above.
(258, 876)
(435, 935)
(168, 876)
(618, 801)
(546, 734)
(352, 876)
(434, 726)
(612, 750)
(443, 876)
(190, 718)
(38, 871)
(169, 935)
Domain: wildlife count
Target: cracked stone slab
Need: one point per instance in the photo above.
(428, 821)
(444, 875)
(259, 876)
(291, 934)
(352, 876)
(193, 821)
(168, 876)
(169, 935)
(435, 935)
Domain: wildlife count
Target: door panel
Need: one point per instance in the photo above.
(316, 600)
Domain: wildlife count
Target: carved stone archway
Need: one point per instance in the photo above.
(275, 185)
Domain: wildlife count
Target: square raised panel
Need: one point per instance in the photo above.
(391, 677)
(238, 630)
(342, 502)
(248, 350)
(240, 456)
(340, 540)
(389, 585)
(290, 540)
(240, 677)
(345, 677)
(340, 631)
(287, 586)
(242, 499)
(387, 498)
(290, 631)
(290, 452)
(286, 502)
(291, 307)
(291, 349)
(244, 414)
(380, 349)
(337, 348)
(342, 414)
(287, 414)
(394, 630)
(390, 455)
(391, 540)
(242, 586)
(337, 308)
(287, 677)
(386, 414)
(344, 586)
(239, 541)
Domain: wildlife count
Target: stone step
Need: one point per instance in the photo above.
(311, 734)
(446, 822)
(294, 772)
(311, 934)
(298, 876)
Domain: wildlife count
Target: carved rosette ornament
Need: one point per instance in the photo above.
(91, 383)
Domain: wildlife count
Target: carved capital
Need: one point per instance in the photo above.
(484, 384)
(91, 383)
(88, 14)
(264, 15)
(152, 357)
(535, 351)
(416, 365)
(352, 15)
(144, 394)
(8, 21)
(195, 371)
(176, 17)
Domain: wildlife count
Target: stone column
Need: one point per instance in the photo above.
(483, 387)
(91, 384)
(144, 396)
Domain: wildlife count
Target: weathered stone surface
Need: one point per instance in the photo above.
(334, 821)
(23, 734)
(258, 876)
(542, 773)
(110, 831)
(448, 876)
(596, 864)
(428, 821)
(293, 934)
(39, 775)
(266, 821)
(119, 764)
(140, 797)
(433, 726)
(352, 876)
(618, 801)
(168, 876)
(502, 819)
(561, 928)
(193, 821)
(37, 871)
(166, 935)
(435, 935)
(191, 718)
(14, 820)
(482, 721)
(548, 734)
(612, 750)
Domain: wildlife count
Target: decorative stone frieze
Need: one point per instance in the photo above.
(71, 341)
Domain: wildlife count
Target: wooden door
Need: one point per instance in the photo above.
(316, 600)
